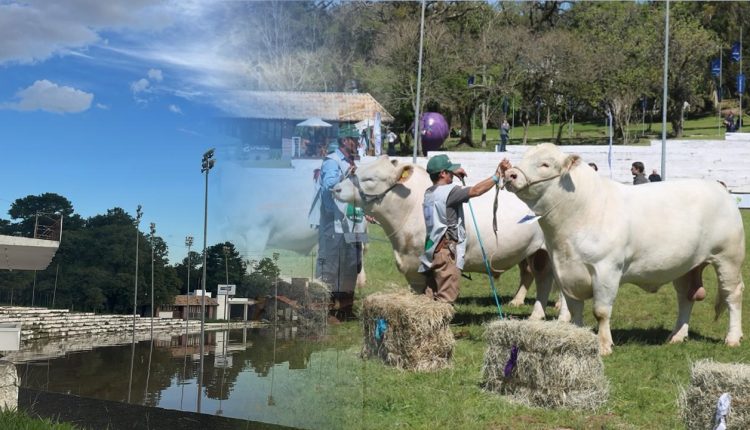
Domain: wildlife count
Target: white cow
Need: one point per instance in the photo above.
(393, 194)
(601, 234)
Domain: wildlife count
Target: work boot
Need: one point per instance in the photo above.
(345, 308)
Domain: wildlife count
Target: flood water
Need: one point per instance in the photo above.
(268, 374)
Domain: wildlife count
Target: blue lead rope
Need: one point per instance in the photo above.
(486, 261)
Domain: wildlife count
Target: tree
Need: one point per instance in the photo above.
(25, 209)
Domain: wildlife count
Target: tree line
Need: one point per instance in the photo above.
(562, 60)
(94, 267)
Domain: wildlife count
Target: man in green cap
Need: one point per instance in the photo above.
(339, 260)
(445, 245)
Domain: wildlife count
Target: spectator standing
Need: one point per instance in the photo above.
(638, 176)
(654, 176)
(504, 131)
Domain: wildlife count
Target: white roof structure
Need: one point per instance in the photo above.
(23, 253)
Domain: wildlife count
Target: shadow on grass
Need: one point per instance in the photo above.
(652, 336)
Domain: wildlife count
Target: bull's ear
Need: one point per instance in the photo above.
(570, 162)
(404, 172)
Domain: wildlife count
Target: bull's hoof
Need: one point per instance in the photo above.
(732, 342)
(697, 294)
(564, 317)
(605, 349)
(676, 339)
(516, 303)
(536, 316)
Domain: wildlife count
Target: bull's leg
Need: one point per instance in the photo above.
(562, 305)
(576, 310)
(362, 276)
(730, 296)
(542, 270)
(682, 286)
(527, 276)
(605, 290)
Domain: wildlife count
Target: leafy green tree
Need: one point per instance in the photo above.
(24, 211)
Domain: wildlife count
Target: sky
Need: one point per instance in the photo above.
(113, 103)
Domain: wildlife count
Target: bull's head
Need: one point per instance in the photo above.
(371, 181)
(537, 170)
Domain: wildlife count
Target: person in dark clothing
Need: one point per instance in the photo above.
(654, 177)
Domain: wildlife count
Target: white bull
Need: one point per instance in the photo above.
(601, 234)
(393, 194)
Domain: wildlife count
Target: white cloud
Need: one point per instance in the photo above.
(175, 109)
(48, 96)
(155, 75)
(102, 106)
(140, 86)
(34, 30)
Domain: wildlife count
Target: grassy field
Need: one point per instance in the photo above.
(645, 373)
(14, 420)
(589, 133)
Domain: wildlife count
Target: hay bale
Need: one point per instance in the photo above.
(407, 331)
(556, 365)
(314, 304)
(708, 381)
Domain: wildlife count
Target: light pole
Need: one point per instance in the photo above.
(226, 293)
(665, 82)
(138, 215)
(206, 165)
(419, 84)
(153, 233)
(188, 243)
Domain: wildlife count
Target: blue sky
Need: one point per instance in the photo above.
(112, 104)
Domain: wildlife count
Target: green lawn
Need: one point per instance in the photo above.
(645, 373)
(590, 133)
(14, 420)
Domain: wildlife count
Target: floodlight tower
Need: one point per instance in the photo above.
(206, 165)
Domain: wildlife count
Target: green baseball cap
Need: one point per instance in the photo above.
(439, 163)
(332, 147)
(348, 130)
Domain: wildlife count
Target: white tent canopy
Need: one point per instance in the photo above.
(313, 122)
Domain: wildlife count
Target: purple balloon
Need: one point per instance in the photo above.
(434, 129)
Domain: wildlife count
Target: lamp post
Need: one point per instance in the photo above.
(153, 233)
(138, 216)
(225, 248)
(188, 243)
(206, 165)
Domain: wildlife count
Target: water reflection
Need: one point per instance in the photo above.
(255, 373)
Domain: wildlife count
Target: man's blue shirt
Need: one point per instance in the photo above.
(330, 175)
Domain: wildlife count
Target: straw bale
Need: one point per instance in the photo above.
(313, 311)
(557, 364)
(708, 381)
(418, 335)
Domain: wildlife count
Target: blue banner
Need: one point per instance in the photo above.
(470, 81)
(715, 67)
(741, 83)
(736, 54)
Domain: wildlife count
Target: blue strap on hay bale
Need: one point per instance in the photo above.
(511, 364)
(381, 325)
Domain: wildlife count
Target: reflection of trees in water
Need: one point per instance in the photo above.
(103, 373)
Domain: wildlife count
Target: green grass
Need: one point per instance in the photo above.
(645, 373)
(593, 133)
(15, 420)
